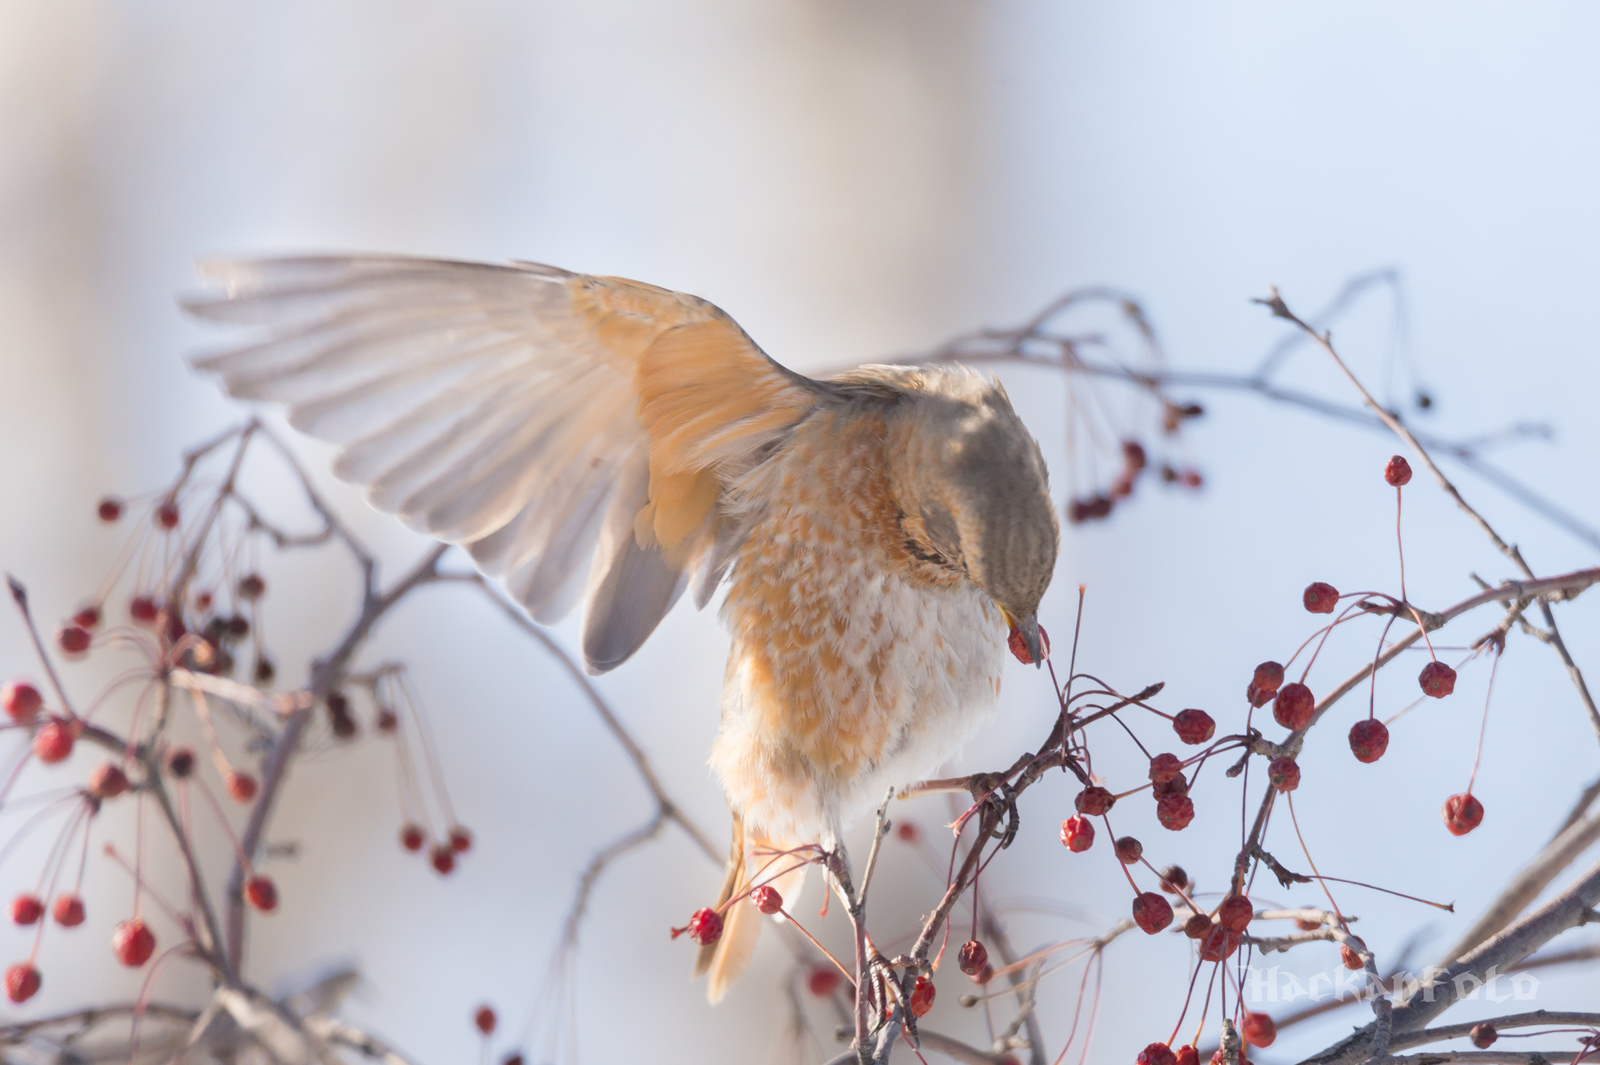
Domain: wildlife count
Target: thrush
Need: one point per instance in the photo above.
(594, 439)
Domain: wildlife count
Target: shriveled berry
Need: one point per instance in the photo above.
(1019, 645)
(1177, 784)
(1284, 773)
(262, 893)
(72, 640)
(1306, 924)
(22, 981)
(1133, 456)
(767, 899)
(107, 781)
(1175, 812)
(1077, 834)
(1483, 1035)
(1397, 471)
(983, 975)
(68, 910)
(242, 787)
(1151, 912)
(512, 1059)
(133, 943)
(236, 627)
(1129, 850)
(1320, 597)
(1369, 738)
(144, 610)
(264, 670)
(412, 837)
(26, 909)
(53, 742)
(386, 720)
(443, 859)
(1350, 958)
(1188, 1055)
(1219, 943)
(1094, 801)
(1156, 1054)
(1268, 677)
(705, 926)
(1236, 913)
(1437, 680)
(822, 982)
(1174, 880)
(87, 618)
(485, 1019)
(1163, 767)
(202, 601)
(1198, 926)
(1462, 813)
(1255, 696)
(110, 509)
(460, 839)
(1294, 706)
(922, 993)
(251, 587)
(1259, 1030)
(1191, 478)
(907, 831)
(973, 957)
(1194, 726)
(166, 515)
(21, 701)
(180, 762)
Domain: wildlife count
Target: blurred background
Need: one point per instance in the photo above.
(850, 180)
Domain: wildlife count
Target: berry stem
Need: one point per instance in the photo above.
(1321, 880)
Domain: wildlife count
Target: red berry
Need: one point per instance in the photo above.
(110, 509)
(1077, 834)
(1437, 680)
(1369, 738)
(484, 1018)
(202, 601)
(242, 786)
(1462, 813)
(1094, 801)
(1306, 924)
(387, 720)
(1151, 912)
(1397, 471)
(1177, 785)
(1218, 944)
(822, 982)
(1175, 812)
(983, 975)
(1019, 646)
(705, 926)
(68, 911)
(1129, 850)
(53, 742)
(1351, 959)
(1188, 1055)
(1194, 726)
(1320, 597)
(21, 701)
(412, 837)
(1133, 456)
(251, 587)
(922, 993)
(107, 781)
(1174, 880)
(1197, 927)
(1284, 774)
(72, 640)
(87, 618)
(180, 762)
(1294, 707)
(1484, 1035)
(1236, 913)
(1191, 478)
(1255, 696)
(1259, 1029)
(1163, 767)
(973, 957)
(133, 943)
(22, 982)
(907, 831)
(262, 893)
(167, 515)
(144, 610)
(460, 839)
(1156, 1054)
(26, 909)
(512, 1059)
(1268, 676)
(767, 899)
(443, 859)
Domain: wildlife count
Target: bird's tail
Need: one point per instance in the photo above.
(752, 862)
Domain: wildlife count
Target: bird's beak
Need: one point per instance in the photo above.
(1029, 627)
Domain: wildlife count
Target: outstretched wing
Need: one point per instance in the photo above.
(573, 433)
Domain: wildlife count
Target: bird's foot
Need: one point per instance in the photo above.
(997, 800)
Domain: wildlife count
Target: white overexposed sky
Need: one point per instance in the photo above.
(850, 180)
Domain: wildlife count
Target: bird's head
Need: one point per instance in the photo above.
(972, 485)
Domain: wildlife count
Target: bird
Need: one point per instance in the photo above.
(881, 534)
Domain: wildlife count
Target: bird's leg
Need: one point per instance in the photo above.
(994, 792)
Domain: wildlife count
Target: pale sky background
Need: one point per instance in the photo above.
(849, 180)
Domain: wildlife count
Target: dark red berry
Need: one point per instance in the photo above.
(202, 601)
(1294, 707)
(822, 982)
(265, 670)
(512, 1059)
(1178, 784)
(1156, 1054)
(1437, 680)
(1194, 726)
(1197, 926)
(22, 981)
(262, 893)
(1236, 913)
(1133, 456)
(21, 701)
(412, 837)
(68, 911)
(1163, 767)
(107, 781)
(705, 926)
(1369, 738)
(1320, 597)
(1462, 813)
(237, 627)
(1129, 850)
(1268, 676)
(387, 720)
(907, 831)
(922, 993)
(88, 618)
(1151, 912)
(1259, 1030)
(1484, 1035)
(1094, 801)
(133, 943)
(167, 515)
(1350, 958)
(767, 899)
(1175, 812)
(1397, 471)
(110, 509)
(1284, 774)
(1255, 696)
(485, 1019)
(1077, 834)
(973, 957)
(443, 859)
(1019, 645)
(1219, 943)
(1306, 924)
(460, 839)
(53, 742)
(1188, 1055)
(242, 787)
(26, 909)
(144, 610)
(251, 587)
(180, 762)
(983, 975)
(72, 640)
(1191, 478)
(1174, 880)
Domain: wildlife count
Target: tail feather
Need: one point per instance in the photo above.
(730, 955)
